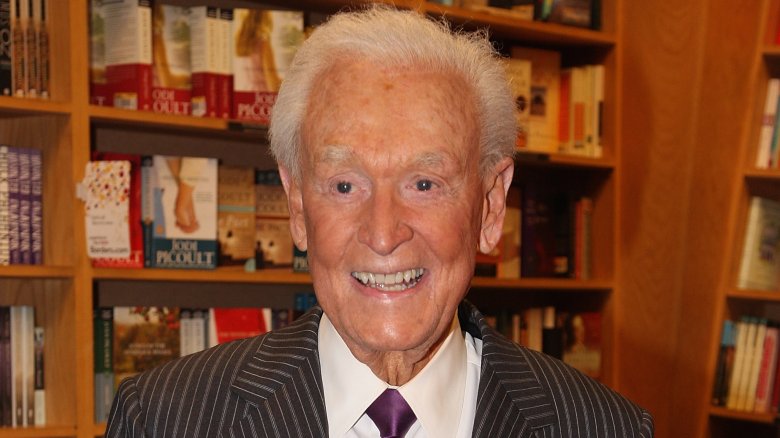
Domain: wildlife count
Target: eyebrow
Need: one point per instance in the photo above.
(339, 154)
(336, 154)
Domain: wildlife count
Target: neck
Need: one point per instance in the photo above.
(398, 367)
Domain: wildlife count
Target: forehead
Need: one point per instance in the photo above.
(367, 107)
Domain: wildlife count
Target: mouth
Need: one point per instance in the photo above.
(396, 281)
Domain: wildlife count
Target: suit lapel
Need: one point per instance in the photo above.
(281, 384)
(511, 401)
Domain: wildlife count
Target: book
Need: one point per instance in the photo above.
(764, 151)
(107, 211)
(236, 214)
(534, 320)
(103, 327)
(28, 365)
(13, 206)
(5, 49)
(6, 372)
(739, 362)
(99, 93)
(743, 378)
(36, 206)
(746, 402)
(128, 53)
(231, 323)
(273, 242)
(511, 237)
(582, 342)
(171, 65)
(552, 334)
(39, 404)
(264, 43)
(25, 207)
(121, 173)
(42, 52)
(5, 226)
(19, 60)
(144, 337)
(519, 75)
(31, 48)
(767, 368)
(571, 12)
(724, 364)
(184, 210)
(205, 53)
(544, 105)
(760, 261)
(225, 83)
(599, 73)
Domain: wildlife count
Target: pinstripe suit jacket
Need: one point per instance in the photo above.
(270, 386)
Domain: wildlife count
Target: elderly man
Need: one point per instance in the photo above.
(394, 139)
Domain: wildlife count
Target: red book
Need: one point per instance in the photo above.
(231, 323)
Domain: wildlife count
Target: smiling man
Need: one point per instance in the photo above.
(394, 138)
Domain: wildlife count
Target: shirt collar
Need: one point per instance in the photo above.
(435, 393)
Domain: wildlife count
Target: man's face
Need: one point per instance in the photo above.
(390, 202)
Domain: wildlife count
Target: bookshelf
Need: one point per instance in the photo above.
(67, 128)
(748, 180)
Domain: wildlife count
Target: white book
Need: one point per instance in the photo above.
(768, 124)
(199, 330)
(739, 362)
(755, 367)
(185, 332)
(750, 343)
(40, 390)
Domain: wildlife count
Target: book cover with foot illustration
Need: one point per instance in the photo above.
(181, 203)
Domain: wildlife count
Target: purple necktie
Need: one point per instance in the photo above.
(391, 414)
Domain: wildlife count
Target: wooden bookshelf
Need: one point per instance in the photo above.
(65, 290)
(767, 418)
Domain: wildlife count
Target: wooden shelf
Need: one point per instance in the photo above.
(763, 174)
(758, 295)
(766, 418)
(222, 275)
(560, 284)
(122, 116)
(238, 275)
(536, 159)
(771, 51)
(47, 431)
(35, 271)
(15, 106)
(506, 26)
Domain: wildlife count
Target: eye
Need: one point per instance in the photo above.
(424, 185)
(344, 187)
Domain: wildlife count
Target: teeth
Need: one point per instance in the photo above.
(390, 282)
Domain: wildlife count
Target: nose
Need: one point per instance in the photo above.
(382, 226)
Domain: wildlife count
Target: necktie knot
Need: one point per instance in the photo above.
(391, 414)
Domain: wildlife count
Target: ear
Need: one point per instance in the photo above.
(494, 205)
(295, 205)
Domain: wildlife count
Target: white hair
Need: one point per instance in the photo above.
(403, 39)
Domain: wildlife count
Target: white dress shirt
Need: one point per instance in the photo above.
(443, 395)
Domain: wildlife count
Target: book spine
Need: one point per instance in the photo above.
(5, 366)
(171, 85)
(40, 387)
(25, 203)
(747, 366)
(205, 49)
(18, 58)
(147, 208)
(44, 66)
(225, 79)
(755, 367)
(739, 362)
(28, 364)
(767, 124)
(185, 332)
(725, 356)
(98, 86)
(36, 206)
(774, 150)
(104, 377)
(564, 127)
(5, 244)
(17, 375)
(5, 48)
(13, 206)
(766, 371)
(31, 44)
